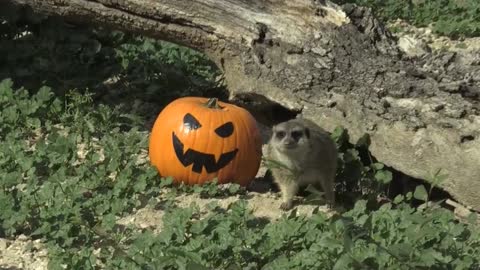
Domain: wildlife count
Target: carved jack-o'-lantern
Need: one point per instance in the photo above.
(196, 139)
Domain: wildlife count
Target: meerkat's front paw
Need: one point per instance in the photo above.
(286, 205)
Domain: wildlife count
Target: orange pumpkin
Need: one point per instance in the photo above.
(196, 139)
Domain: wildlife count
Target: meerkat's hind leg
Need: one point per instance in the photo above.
(326, 184)
(321, 182)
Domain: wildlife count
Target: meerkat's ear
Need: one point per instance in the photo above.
(307, 133)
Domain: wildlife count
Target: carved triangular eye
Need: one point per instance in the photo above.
(190, 122)
(225, 130)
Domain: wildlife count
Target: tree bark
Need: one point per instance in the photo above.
(335, 66)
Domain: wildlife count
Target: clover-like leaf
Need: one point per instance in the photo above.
(420, 193)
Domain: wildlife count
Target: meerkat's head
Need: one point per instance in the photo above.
(290, 136)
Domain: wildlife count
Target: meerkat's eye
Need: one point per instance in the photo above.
(296, 135)
(280, 134)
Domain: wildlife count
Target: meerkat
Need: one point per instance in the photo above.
(302, 153)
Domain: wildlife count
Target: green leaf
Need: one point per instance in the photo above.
(398, 199)
(343, 262)
(378, 166)
(234, 188)
(420, 193)
(472, 218)
(384, 176)
(43, 95)
(140, 184)
(6, 89)
(401, 250)
(195, 266)
(109, 221)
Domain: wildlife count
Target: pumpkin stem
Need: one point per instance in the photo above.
(212, 103)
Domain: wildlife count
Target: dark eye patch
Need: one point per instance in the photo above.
(296, 135)
(225, 130)
(190, 122)
(280, 134)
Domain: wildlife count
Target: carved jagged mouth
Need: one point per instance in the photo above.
(201, 160)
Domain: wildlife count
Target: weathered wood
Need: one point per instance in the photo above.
(337, 67)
